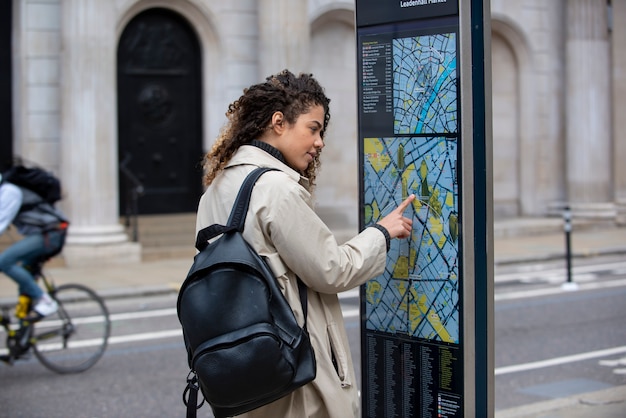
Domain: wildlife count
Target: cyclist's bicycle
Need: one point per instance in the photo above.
(69, 341)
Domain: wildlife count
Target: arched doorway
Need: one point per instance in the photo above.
(333, 35)
(160, 112)
(506, 141)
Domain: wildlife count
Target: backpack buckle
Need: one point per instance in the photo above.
(190, 394)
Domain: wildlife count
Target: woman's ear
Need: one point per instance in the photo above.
(278, 122)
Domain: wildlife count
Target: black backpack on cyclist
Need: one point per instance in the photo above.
(42, 182)
(40, 190)
(244, 346)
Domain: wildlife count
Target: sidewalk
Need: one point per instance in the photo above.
(164, 276)
(608, 403)
(167, 274)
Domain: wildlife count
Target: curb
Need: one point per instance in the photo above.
(606, 403)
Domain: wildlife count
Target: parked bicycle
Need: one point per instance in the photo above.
(69, 341)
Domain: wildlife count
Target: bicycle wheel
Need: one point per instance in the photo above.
(75, 337)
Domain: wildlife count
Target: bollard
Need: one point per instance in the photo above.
(567, 218)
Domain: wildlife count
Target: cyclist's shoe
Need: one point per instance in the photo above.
(45, 306)
(7, 359)
(19, 344)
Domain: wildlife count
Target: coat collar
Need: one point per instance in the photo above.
(253, 155)
(269, 149)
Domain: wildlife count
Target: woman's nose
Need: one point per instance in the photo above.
(319, 142)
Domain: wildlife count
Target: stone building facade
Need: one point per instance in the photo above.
(99, 86)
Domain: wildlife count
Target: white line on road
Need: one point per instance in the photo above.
(349, 313)
(94, 342)
(557, 290)
(146, 336)
(532, 272)
(354, 293)
(142, 314)
(559, 360)
(498, 371)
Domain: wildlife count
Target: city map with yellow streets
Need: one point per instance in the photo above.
(418, 294)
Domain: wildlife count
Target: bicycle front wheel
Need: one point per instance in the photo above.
(74, 338)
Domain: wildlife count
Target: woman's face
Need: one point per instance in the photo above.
(302, 141)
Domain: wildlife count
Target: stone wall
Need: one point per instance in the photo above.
(65, 99)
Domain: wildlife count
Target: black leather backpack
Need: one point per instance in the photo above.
(245, 348)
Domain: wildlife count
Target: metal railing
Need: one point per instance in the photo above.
(134, 189)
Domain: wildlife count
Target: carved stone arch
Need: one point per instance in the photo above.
(341, 11)
(208, 29)
(515, 125)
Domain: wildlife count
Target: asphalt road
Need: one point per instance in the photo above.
(142, 373)
(549, 343)
(553, 343)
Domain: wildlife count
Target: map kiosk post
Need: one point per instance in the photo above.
(424, 97)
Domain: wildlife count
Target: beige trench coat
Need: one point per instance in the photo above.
(282, 226)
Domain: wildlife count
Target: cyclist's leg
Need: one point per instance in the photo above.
(52, 243)
(13, 259)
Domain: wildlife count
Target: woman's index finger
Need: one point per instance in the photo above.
(406, 203)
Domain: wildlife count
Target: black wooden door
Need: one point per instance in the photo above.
(160, 113)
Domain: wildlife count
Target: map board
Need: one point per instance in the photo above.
(409, 143)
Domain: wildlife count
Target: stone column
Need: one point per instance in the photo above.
(588, 118)
(283, 36)
(89, 164)
(619, 107)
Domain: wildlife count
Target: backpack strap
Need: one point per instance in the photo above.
(237, 217)
(205, 234)
(237, 220)
(302, 289)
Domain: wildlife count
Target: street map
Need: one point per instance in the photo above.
(425, 84)
(418, 294)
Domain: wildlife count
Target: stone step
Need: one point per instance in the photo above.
(166, 236)
(165, 230)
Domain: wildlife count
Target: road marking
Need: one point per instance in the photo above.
(557, 290)
(615, 364)
(349, 313)
(142, 314)
(559, 360)
(95, 342)
(119, 339)
(532, 272)
(146, 336)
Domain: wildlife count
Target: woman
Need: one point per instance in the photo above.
(281, 124)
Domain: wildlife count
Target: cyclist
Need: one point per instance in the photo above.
(43, 228)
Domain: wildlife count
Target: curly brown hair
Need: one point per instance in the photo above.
(252, 113)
